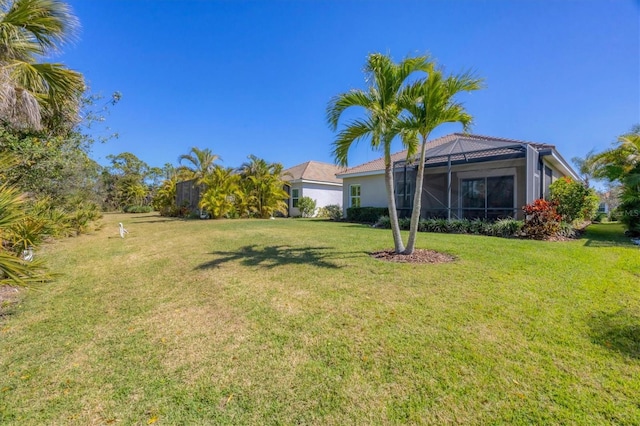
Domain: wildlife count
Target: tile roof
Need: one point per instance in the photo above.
(314, 170)
(378, 164)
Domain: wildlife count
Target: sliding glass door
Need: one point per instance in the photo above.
(488, 197)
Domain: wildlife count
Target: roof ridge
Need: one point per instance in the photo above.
(399, 152)
(306, 166)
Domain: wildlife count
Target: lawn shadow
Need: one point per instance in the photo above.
(606, 235)
(169, 219)
(618, 332)
(272, 256)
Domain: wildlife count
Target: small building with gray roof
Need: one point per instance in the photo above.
(315, 180)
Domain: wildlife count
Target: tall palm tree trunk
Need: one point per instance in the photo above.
(417, 199)
(391, 202)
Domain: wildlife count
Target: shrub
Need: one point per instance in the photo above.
(501, 228)
(440, 225)
(566, 230)
(138, 209)
(479, 227)
(601, 217)
(460, 226)
(307, 206)
(574, 201)
(332, 211)
(506, 228)
(615, 215)
(383, 222)
(82, 218)
(366, 214)
(542, 220)
(629, 213)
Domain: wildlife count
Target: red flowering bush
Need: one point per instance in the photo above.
(542, 219)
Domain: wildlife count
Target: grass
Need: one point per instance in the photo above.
(291, 322)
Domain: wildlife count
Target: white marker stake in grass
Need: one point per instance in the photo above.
(27, 255)
(122, 230)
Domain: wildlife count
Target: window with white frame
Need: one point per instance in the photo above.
(295, 197)
(354, 196)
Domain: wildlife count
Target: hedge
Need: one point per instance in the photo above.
(366, 214)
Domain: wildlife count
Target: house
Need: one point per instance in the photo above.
(466, 176)
(315, 180)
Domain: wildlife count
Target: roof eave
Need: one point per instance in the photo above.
(557, 160)
(360, 174)
(318, 182)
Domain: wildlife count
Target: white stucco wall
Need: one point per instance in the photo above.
(372, 191)
(323, 195)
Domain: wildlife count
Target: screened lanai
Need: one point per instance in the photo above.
(472, 178)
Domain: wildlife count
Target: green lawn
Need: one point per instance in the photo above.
(291, 322)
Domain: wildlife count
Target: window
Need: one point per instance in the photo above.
(548, 179)
(295, 196)
(488, 197)
(354, 196)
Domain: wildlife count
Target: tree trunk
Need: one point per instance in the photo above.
(391, 202)
(417, 200)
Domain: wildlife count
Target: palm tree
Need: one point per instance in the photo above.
(16, 235)
(381, 122)
(621, 161)
(165, 198)
(430, 103)
(202, 163)
(223, 187)
(263, 186)
(34, 95)
(622, 164)
(585, 166)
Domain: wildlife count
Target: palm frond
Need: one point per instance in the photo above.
(353, 132)
(338, 104)
(49, 23)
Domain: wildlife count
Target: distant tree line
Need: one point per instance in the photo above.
(255, 189)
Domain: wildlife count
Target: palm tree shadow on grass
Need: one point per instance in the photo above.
(618, 332)
(273, 256)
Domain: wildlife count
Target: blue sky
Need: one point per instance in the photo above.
(254, 77)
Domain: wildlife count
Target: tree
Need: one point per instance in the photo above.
(585, 166)
(201, 163)
(34, 95)
(430, 102)
(381, 122)
(57, 167)
(622, 164)
(263, 187)
(125, 180)
(574, 200)
(164, 199)
(223, 187)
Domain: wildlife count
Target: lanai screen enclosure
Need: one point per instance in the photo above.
(484, 178)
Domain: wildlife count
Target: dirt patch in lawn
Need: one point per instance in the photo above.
(418, 256)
